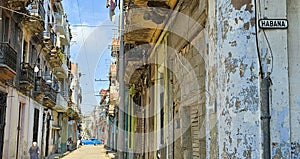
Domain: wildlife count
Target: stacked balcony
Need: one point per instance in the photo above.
(55, 58)
(8, 60)
(61, 26)
(35, 24)
(18, 5)
(62, 72)
(50, 96)
(26, 77)
(49, 37)
(61, 103)
(39, 87)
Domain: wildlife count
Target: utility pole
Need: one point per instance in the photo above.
(121, 115)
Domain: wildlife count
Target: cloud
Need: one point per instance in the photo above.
(89, 45)
(89, 52)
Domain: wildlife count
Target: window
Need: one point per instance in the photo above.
(25, 52)
(5, 34)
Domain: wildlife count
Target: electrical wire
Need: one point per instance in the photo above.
(266, 38)
(84, 47)
(256, 40)
(271, 51)
(17, 12)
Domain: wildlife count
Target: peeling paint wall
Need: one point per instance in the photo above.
(294, 74)
(273, 47)
(228, 76)
(237, 94)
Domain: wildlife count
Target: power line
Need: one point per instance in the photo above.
(14, 11)
(84, 48)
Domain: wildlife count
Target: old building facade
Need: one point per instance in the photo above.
(35, 78)
(203, 80)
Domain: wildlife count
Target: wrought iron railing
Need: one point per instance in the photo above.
(50, 93)
(38, 9)
(40, 85)
(27, 73)
(8, 56)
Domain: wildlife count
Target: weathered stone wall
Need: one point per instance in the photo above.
(189, 98)
(189, 79)
(216, 83)
(237, 80)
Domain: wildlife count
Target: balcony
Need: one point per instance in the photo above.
(58, 5)
(50, 96)
(37, 9)
(55, 58)
(61, 26)
(36, 24)
(62, 72)
(8, 60)
(26, 77)
(49, 38)
(61, 103)
(18, 5)
(39, 87)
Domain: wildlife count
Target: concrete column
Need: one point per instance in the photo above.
(273, 47)
(294, 74)
(237, 74)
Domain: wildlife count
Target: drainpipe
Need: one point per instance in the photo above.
(265, 115)
(121, 115)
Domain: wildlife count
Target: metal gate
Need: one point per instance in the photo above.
(3, 97)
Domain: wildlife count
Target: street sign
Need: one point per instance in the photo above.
(273, 23)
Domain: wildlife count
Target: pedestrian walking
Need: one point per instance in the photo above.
(34, 151)
(78, 142)
(69, 144)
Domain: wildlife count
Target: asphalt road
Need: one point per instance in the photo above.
(89, 152)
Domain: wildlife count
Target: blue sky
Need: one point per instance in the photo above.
(90, 46)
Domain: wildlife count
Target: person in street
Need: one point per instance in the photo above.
(69, 144)
(78, 142)
(34, 151)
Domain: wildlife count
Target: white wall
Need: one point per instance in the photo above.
(294, 74)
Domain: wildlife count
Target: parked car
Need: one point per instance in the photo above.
(91, 141)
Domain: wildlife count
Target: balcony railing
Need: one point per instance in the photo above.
(18, 5)
(61, 101)
(49, 38)
(26, 75)
(39, 87)
(8, 56)
(50, 93)
(61, 26)
(38, 9)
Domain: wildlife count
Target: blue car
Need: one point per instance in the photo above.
(91, 141)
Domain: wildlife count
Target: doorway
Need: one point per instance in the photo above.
(3, 105)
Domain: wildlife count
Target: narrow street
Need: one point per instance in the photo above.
(89, 152)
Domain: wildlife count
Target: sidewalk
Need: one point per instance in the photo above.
(58, 155)
(86, 152)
